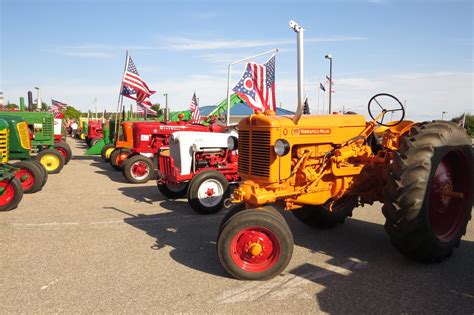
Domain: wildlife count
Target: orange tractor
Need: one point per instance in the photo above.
(321, 167)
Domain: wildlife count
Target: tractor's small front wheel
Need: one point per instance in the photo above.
(173, 191)
(255, 245)
(138, 169)
(106, 151)
(52, 160)
(64, 149)
(43, 171)
(207, 192)
(11, 194)
(118, 156)
(30, 176)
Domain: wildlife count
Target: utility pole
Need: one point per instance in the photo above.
(328, 56)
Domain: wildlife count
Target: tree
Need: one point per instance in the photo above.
(72, 113)
(45, 107)
(157, 108)
(11, 106)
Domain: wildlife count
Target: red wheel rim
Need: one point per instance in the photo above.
(244, 243)
(26, 178)
(140, 169)
(62, 151)
(8, 193)
(447, 209)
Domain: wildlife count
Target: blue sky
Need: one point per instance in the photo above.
(420, 51)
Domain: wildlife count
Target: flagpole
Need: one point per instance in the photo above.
(319, 90)
(229, 71)
(120, 98)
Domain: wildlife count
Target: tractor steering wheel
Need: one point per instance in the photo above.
(395, 107)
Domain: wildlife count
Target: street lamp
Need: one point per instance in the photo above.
(38, 98)
(442, 115)
(328, 56)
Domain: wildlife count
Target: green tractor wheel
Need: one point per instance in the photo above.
(11, 194)
(30, 176)
(51, 159)
(43, 170)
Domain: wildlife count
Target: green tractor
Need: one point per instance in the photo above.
(52, 152)
(11, 190)
(31, 173)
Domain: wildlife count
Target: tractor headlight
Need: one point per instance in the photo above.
(282, 147)
(232, 143)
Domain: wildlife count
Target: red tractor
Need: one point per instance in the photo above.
(201, 166)
(149, 137)
(94, 131)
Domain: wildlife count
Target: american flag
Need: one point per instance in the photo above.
(257, 85)
(141, 109)
(194, 107)
(133, 84)
(140, 97)
(57, 107)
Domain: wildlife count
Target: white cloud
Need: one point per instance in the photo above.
(182, 43)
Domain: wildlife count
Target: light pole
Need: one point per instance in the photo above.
(166, 112)
(442, 115)
(328, 56)
(38, 98)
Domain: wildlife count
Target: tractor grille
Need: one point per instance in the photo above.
(48, 127)
(22, 128)
(254, 152)
(4, 145)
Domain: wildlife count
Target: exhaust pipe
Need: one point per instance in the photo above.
(30, 101)
(299, 42)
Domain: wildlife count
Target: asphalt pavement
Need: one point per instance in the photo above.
(91, 242)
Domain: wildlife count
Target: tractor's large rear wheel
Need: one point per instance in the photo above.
(30, 176)
(255, 244)
(106, 151)
(11, 194)
(64, 149)
(207, 192)
(428, 195)
(52, 160)
(328, 215)
(138, 169)
(173, 191)
(118, 156)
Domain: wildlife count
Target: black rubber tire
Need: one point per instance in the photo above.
(63, 145)
(321, 217)
(88, 142)
(43, 170)
(18, 195)
(241, 207)
(114, 155)
(195, 185)
(36, 173)
(104, 150)
(409, 187)
(172, 194)
(255, 218)
(128, 166)
(51, 152)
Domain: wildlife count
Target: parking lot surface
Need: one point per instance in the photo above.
(91, 242)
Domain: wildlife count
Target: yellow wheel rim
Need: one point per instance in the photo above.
(108, 152)
(83, 136)
(50, 162)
